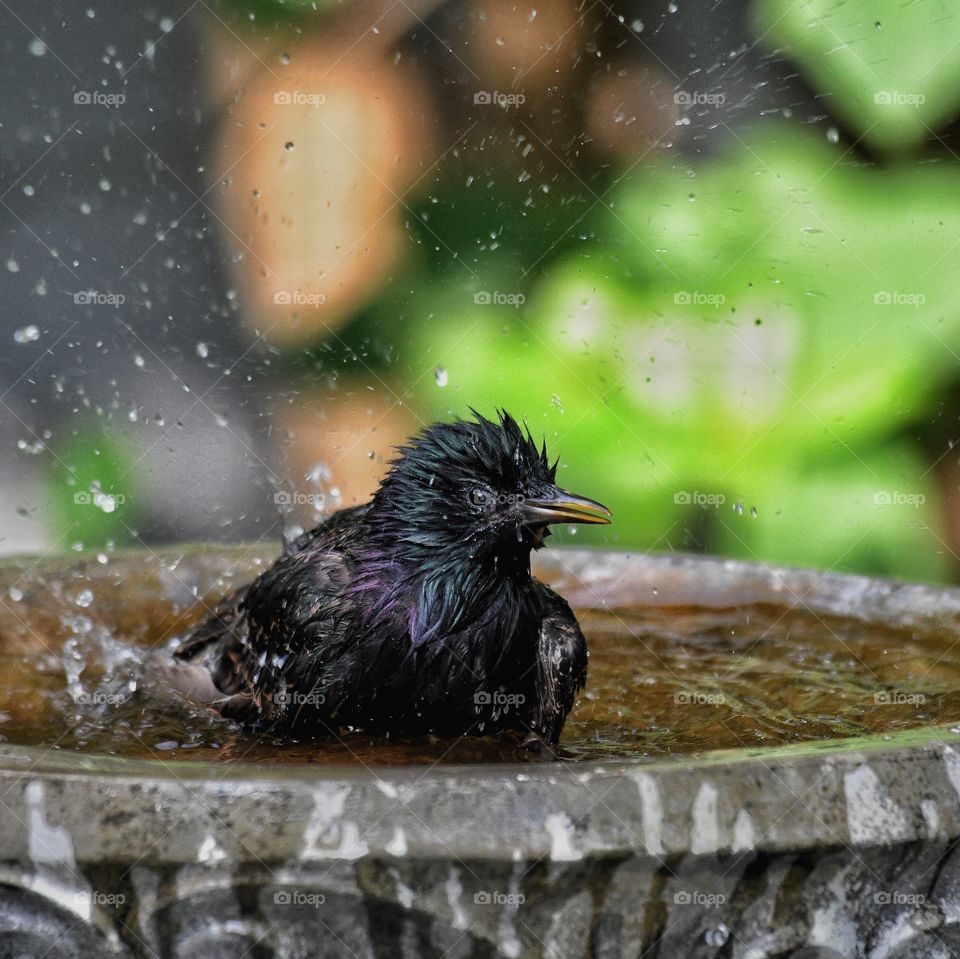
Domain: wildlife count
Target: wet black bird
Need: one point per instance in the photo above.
(414, 613)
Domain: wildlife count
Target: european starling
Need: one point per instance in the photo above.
(414, 613)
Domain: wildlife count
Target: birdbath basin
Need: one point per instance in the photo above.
(766, 764)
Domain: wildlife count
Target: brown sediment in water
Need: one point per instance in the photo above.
(664, 681)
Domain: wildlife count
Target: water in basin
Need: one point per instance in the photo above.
(79, 672)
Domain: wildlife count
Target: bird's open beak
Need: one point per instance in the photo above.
(564, 507)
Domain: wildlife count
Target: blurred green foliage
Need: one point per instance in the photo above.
(734, 353)
(890, 70)
(92, 495)
(735, 363)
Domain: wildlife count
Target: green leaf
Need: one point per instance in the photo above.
(890, 70)
(93, 494)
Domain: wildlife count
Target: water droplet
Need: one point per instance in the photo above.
(284, 58)
(927, 916)
(33, 448)
(288, 146)
(37, 47)
(833, 135)
(15, 594)
(166, 24)
(753, 512)
(636, 25)
(717, 936)
(13, 266)
(370, 454)
(738, 509)
(672, 7)
(138, 360)
(27, 334)
(79, 624)
(84, 598)
(203, 351)
(106, 503)
(501, 42)
(28, 190)
(441, 376)
(105, 185)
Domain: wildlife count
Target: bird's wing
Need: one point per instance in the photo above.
(264, 632)
(561, 663)
(227, 619)
(297, 614)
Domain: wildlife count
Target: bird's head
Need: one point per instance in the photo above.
(475, 488)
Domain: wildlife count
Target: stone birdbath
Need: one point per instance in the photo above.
(133, 828)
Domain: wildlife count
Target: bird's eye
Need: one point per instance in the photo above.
(479, 497)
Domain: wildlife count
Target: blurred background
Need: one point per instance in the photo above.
(708, 249)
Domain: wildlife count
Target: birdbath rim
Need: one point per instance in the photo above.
(856, 792)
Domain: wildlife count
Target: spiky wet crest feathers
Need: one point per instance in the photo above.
(427, 499)
(500, 451)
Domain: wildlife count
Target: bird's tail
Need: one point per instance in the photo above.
(222, 624)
